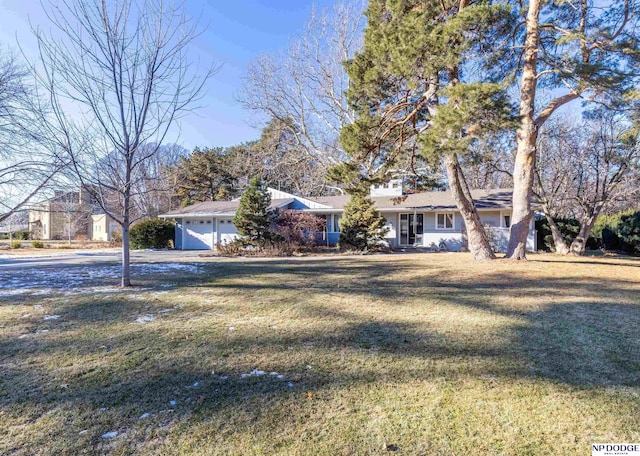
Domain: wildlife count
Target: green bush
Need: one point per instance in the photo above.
(152, 234)
(608, 239)
(16, 244)
(362, 228)
(37, 244)
(629, 233)
(604, 233)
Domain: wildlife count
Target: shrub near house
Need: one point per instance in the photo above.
(362, 228)
(614, 232)
(297, 229)
(152, 234)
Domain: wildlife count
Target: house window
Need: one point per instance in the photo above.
(507, 221)
(444, 221)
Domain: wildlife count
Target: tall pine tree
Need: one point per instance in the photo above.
(204, 176)
(413, 95)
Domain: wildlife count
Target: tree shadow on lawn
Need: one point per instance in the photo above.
(610, 260)
(401, 281)
(136, 382)
(583, 333)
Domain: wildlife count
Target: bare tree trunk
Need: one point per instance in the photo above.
(558, 241)
(126, 65)
(527, 135)
(478, 241)
(126, 270)
(579, 244)
(126, 222)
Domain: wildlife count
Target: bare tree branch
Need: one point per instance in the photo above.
(124, 67)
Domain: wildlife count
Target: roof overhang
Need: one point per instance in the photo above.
(198, 214)
(411, 209)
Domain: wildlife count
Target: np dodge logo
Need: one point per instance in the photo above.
(615, 449)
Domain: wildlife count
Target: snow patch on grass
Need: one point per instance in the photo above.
(145, 319)
(82, 279)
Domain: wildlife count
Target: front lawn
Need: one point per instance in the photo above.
(425, 354)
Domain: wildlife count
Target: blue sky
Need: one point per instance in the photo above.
(236, 33)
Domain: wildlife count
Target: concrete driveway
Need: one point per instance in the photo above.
(94, 257)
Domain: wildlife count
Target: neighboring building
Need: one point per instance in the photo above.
(67, 214)
(428, 219)
(103, 228)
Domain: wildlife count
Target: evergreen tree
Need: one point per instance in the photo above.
(361, 227)
(203, 176)
(412, 98)
(253, 216)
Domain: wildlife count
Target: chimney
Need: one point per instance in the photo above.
(391, 188)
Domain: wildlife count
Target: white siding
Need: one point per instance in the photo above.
(392, 224)
(491, 218)
(453, 241)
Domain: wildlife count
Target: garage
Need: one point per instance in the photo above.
(226, 230)
(198, 234)
(203, 225)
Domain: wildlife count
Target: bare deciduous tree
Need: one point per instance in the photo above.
(154, 183)
(307, 83)
(25, 166)
(118, 76)
(586, 50)
(75, 214)
(582, 169)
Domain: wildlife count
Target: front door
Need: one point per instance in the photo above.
(411, 227)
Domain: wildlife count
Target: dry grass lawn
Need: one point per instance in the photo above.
(410, 354)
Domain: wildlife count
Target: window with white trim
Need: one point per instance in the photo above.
(444, 221)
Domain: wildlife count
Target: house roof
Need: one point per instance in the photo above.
(212, 208)
(484, 199)
(494, 199)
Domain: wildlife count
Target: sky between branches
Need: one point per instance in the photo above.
(236, 33)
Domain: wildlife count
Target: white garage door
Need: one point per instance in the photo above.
(227, 230)
(198, 234)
